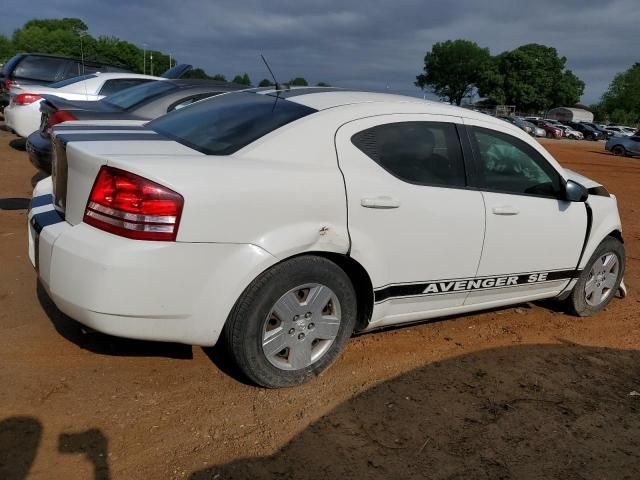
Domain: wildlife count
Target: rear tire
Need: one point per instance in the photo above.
(292, 322)
(600, 279)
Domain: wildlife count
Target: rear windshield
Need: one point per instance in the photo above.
(70, 81)
(133, 96)
(226, 123)
(47, 69)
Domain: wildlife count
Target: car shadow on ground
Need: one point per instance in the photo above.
(20, 438)
(14, 203)
(106, 344)
(39, 175)
(18, 144)
(535, 411)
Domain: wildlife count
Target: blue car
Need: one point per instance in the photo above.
(624, 146)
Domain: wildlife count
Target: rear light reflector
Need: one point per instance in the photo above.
(26, 98)
(7, 85)
(59, 117)
(131, 206)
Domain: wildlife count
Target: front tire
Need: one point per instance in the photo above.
(292, 322)
(600, 279)
(619, 151)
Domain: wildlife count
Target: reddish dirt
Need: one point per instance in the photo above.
(523, 392)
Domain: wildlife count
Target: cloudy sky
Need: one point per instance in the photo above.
(370, 44)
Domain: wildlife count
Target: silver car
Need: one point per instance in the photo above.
(623, 146)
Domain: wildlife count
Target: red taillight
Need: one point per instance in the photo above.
(7, 85)
(26, 98)
(59, 117)
(131, 206)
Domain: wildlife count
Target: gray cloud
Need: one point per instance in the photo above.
(369, 44)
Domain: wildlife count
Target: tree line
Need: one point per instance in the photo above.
(70, 37)
(532, 77)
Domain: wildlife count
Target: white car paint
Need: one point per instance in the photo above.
(304, 188)
(25, 119)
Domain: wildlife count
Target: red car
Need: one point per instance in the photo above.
(552, 132)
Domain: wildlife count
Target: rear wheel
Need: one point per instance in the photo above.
(619, 151)
(600, 280)
(292, 322)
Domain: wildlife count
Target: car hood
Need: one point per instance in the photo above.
(581, 179)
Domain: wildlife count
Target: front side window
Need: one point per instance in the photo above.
(507, 164)
(226, 123)
(423, 153)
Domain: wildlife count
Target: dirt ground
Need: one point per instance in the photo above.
(524, 392)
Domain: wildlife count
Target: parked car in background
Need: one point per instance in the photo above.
(569, 132)
(196, 221)
(41, 69)
(144, 102)
(588, 132)
(624, 146)
(618, 131)
(538, 132)
(550, 130)
(606, 134)
(520, 123)
(23, 115)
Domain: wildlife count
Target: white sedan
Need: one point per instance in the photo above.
(283, 221)
(22, 115)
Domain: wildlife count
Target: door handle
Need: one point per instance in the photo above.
(382, 202)
(505, 210)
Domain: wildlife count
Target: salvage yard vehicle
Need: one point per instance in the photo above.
(141, 103)
(623, 146)
(23, 115)
(43, 69)
(569, 132)
(282, 221)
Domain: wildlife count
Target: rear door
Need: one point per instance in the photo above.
(413, 223)
(533, 239)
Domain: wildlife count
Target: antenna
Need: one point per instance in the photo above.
(272, 75)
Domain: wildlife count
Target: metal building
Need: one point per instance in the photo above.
(569, 114)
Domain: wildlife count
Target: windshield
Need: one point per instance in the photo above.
(133, 96)
(226, 123)
(70, 81)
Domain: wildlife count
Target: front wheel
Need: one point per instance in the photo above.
(619, 151)
(292, 322)
(600, 280)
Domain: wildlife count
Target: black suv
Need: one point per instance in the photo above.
(588, 132)
(42, 69)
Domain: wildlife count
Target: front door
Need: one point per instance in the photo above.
(533, 239)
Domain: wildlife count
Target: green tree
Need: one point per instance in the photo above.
(621, 102)
(453, 68)
(6, 49)
(220, 77)
(322, 84)
(265, 83)
(242, 79)
(532, 77)
(74, 25)
(298, 82)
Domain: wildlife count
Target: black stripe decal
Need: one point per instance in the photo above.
(462, 285)
(41, 200)
(44, 219)
(99, 127)
(109, 137)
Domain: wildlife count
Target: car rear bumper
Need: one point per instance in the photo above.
(39, 150)
(164, 291)
(22, 119)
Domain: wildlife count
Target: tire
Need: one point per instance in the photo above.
(549, 135)
(270, 314)
(619, 151)
(583, 303)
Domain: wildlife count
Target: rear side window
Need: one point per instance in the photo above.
(133, 96)
(117, 84)
(46, 69)
(509, 165)
(226, 123)
(423, 153)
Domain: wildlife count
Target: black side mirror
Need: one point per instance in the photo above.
(574, 192)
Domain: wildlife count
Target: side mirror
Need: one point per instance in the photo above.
(574, 192)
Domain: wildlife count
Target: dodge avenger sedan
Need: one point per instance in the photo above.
(282, 221)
